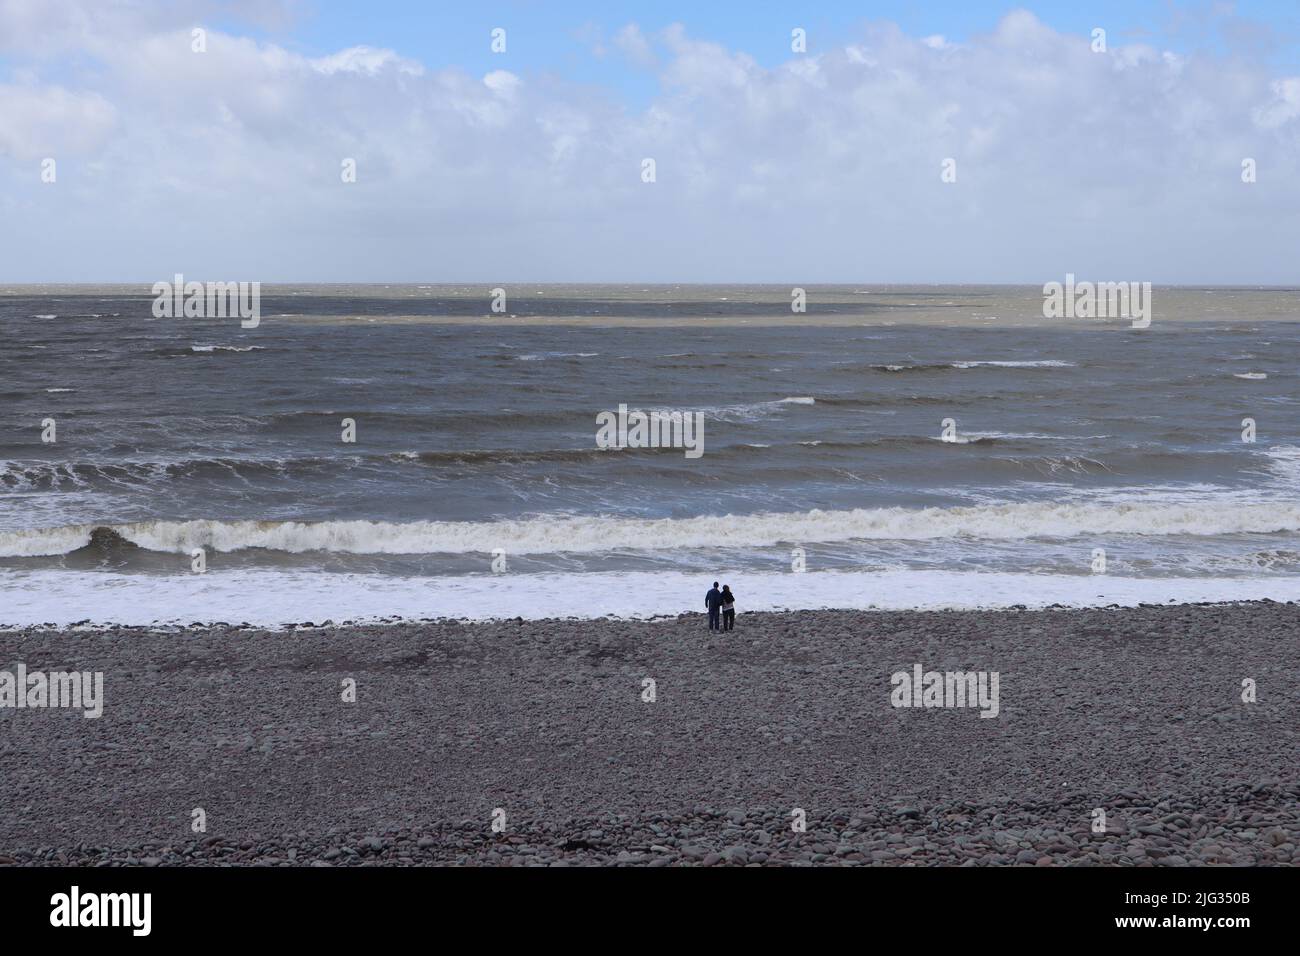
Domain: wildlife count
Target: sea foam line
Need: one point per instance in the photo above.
(565, 534)
(270, 598)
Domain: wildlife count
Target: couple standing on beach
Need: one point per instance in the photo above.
(721, 603)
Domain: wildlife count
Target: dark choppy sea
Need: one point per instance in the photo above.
(475, 434)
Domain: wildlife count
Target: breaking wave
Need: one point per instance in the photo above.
(564, 534)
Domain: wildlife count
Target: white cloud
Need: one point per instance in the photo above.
(501, 81)
(36, 122)
(1283, 107)
(365, 59)
(634, 45)
(1120, 165)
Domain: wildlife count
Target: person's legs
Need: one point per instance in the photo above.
(713, 619)
(728, 620)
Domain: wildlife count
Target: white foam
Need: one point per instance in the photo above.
(1285, 463)
(43, 541)
(1027, 436)
(273, 598)
(1045, 363)
(753, 410)
(547, 355)
(565, 534)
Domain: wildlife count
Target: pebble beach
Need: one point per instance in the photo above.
(1122, 738)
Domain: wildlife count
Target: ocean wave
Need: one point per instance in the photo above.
(1030, 436)
(747, 412)
(1285, 463)
(543, 356)
(937, 366)
(568, 534)
(488, 456)
(1010, 451)
(189, 351)
(1044, 363)
(61, 476)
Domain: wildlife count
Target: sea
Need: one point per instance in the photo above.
(889, 447)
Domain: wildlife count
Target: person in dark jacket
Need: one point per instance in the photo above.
(713, 601)
(728, 608)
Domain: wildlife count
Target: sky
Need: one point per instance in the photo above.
(908, 142)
